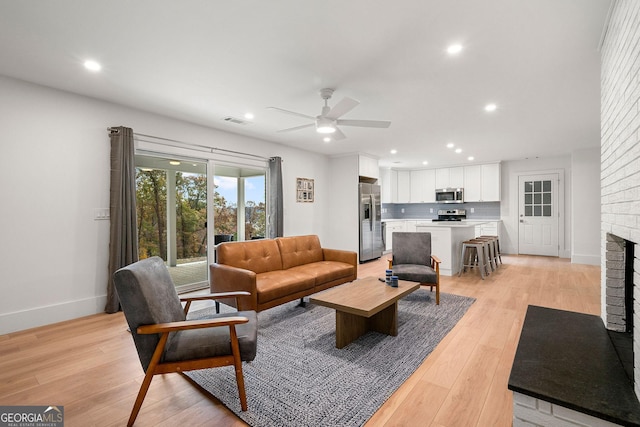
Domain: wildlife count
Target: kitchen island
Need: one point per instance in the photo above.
(446, 236)
(446, 242)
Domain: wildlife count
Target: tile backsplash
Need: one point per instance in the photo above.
(481, 210)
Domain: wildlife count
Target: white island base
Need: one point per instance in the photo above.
(446, 242)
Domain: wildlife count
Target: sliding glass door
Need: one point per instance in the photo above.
(173, 217)
(171, 196)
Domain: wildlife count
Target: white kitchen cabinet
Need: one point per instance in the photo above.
(410, 225)
(456, 177)
(450, 177)
(404, 187)
(394, 185)
(389, 228)
(442, 178)
(488, 228)
(385, 185)
(423, 186)
(482, 183)
(491, 182)
(473, 183)
(368, 167)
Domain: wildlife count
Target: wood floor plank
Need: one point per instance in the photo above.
(90, 366)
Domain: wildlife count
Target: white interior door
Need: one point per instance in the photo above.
(538, 214)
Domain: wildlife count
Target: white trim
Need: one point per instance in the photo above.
(585, 259)
(45, 315)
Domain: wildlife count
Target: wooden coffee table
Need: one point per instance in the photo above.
(364, 305)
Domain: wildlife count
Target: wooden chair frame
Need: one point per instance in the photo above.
(435, 264)
(156, 368)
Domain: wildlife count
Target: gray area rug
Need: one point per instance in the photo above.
(299, 378)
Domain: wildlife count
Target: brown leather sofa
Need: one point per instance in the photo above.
(276, 271)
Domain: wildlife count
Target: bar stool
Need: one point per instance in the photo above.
(492, 253)
(497, 245)
(473, 255)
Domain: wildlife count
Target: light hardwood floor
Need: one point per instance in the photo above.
(90, 365)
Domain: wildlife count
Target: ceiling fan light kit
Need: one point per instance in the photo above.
(325, 125)
(327, 121)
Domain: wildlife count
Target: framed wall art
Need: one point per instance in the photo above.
(304, 190)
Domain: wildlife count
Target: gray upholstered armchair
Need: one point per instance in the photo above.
(167, 342)
(412, 260)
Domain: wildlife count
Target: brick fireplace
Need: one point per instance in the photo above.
(620, 168)
(621, 282)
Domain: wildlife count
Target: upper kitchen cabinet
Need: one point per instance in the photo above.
(491, 182)
(368, 167)
(482, 183)
(385, 184)
(450, 177)
(403, 191)
(423, 186)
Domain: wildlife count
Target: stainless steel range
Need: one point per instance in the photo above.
(451, 215)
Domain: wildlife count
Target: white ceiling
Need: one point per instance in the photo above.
(201, 61)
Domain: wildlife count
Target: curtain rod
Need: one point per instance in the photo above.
(191, 144)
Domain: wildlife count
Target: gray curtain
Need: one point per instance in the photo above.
(123, 236)
(275, 206)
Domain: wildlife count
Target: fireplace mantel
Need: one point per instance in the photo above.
(567, 359)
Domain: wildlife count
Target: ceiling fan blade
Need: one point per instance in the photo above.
(296, 128)
(365, 123)
(292, 113)
(342, 107)
(338, 135)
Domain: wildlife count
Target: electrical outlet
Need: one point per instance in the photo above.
(430, 210)
(402, 210)
(472, 210)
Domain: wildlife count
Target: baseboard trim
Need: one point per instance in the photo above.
(46, 315)
(585, 259)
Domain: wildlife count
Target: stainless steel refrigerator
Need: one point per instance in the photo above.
(370, 222)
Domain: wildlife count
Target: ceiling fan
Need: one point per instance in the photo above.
(327, 122)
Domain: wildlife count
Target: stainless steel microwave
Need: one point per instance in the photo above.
(450, 195)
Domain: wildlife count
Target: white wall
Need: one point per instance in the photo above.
(585, 195)
(343, 224)
(55, 155)
(509, 205)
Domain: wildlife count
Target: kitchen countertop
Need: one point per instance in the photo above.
(568, 359)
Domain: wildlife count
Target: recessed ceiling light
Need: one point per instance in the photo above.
(92, 65)
(458, 150)
(394, 151)
(174, 162)
(490, 107)
(249, 116)
(425, 163)
(326, 139)
(454, 49)
(470, 158)
(450, 145)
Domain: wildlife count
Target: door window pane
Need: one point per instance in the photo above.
(239, 204)
(537, 198)
(255, 207)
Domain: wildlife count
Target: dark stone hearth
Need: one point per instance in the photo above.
(568, 359)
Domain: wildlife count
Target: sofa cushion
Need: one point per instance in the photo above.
(258, 256)
(276, 284)
(299, 250)
(325, 271)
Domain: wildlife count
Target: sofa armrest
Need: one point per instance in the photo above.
(348, 257)
(225, 278)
